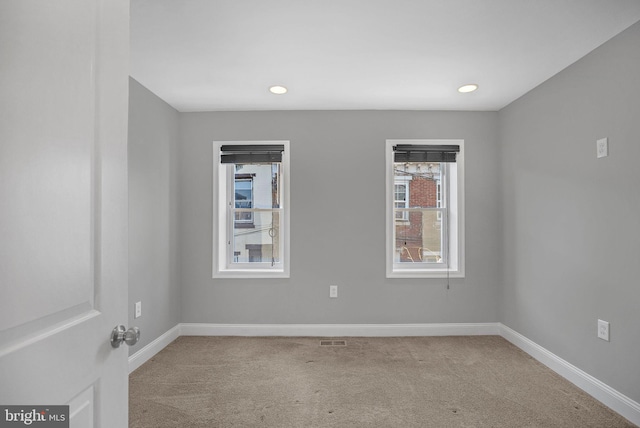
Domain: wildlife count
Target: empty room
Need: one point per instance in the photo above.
(277, 213)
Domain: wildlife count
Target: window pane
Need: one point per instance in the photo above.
(419, 240)
(401, 215)
(243, 199)
(243, 193)
(243, 184)
(260, 243)
(422, 179)
(259, 183)
(244, 217)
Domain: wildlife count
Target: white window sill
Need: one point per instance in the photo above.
(424, 274)
(257, 273)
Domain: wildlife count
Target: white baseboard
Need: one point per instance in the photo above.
(340, 330)
(146, 353)
(617, 401)
(592, 386)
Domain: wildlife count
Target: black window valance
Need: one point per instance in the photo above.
(254, 153)
(425, 153)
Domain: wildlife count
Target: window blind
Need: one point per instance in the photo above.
(425, 153)
(256, 153)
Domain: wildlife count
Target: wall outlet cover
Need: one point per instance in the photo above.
(603, 330)
(602, 146)
(333, 291)
(138, 310)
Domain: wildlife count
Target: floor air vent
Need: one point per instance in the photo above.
(333, 343)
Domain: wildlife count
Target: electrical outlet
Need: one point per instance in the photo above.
(603, 330)
(602, 147)
(138, 311)
(333, 291)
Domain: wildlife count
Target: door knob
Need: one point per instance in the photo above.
(121, 334)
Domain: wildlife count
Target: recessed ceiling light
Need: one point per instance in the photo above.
(278, 90)
(468, 88)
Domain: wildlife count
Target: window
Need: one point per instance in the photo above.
(401, 197)
(425, 215)
(243, 199)
(251, 214)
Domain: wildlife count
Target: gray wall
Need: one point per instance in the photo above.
(338, 220)
(571, 221)
(153, 274)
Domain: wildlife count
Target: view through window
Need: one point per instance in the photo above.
(251, 209)
(425, 215)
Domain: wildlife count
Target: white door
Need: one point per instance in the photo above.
(63, 206)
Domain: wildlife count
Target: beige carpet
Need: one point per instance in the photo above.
(479, 381)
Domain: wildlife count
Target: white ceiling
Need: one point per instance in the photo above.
(202, 55)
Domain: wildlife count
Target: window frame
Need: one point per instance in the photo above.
(222, 227)
(455, 224)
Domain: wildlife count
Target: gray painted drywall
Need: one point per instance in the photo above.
(153, 270)
(571, 221)
(337, 220)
